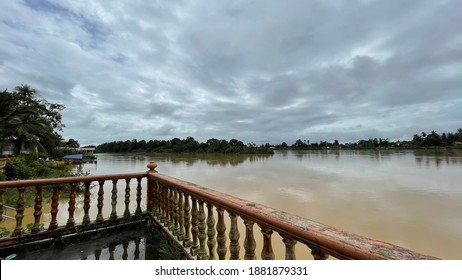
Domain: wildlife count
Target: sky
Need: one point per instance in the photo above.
(257, 71)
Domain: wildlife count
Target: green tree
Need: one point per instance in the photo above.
(25, 118)
(72, 143)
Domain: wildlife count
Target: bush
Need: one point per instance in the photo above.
(26, 168)
(17, 169)
(22, 169)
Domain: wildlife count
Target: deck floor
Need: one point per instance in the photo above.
(134, 244)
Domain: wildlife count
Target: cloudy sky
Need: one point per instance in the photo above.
(260, 71)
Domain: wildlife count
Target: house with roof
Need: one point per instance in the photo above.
(7, 148)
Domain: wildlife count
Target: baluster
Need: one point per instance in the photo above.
(2, 209)
(54, 208)
(267, 251)
(97, 254)
(37, 209)
(125, 250)
(176, 227)
(202, 254)
(187, 242)
(318, 255)
(138, 197)
(290, 248)
(19, 211)
(166, 206)
(161, 202)
(111, 251)
(137, 248)
(221, 237)
(249, 241)
(172, 209)
(211, 242)
(194, 227)
(234, 247)
(157, 200)
(114, 199)
(86, 204)
(180, 216)
(71, 209)
(127, 198)
(99, 216)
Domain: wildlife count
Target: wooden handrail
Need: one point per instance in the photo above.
(68, 180)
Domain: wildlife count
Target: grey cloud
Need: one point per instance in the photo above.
(253, 70)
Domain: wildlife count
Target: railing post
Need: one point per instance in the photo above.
(127, 198)
(138, 197)
(86, 204)
(180, 216)
(125, 250)
(37, 209)
(211, 242)
(99, 216)
(221, 237)
(234, 247)
(71, 209)
(19, 212)
(187, 242)
(249, 241)
(267, 251)
(166, 206)
(175, 228)
(194, 227)
(114, 199)
(151, 187)
(157, 202)
(202, 254)
(171, 206)
(290, 247)
(162, 202)
(54, 208)
(137, 249)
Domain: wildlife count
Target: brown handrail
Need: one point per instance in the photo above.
(68, 180)
(322, 239)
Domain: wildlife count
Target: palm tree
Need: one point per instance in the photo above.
(20, 124)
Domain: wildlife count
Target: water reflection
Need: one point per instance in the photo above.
(438, 157)
(128, 245)
(222, 160)
(426, 158)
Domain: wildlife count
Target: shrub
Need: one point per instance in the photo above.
(22, 169)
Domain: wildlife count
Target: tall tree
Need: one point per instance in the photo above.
(27, 118)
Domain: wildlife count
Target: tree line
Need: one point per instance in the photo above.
(190, 145)
(423, 140)
(187, 145)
